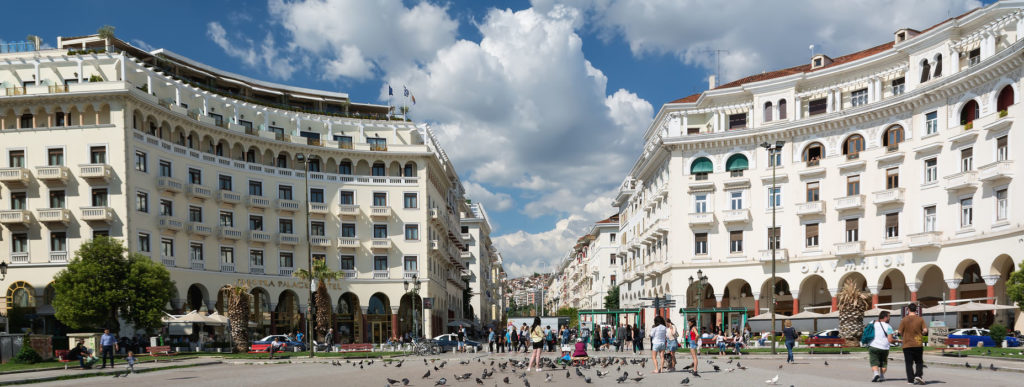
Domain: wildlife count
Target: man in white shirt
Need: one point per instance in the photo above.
(878, 348)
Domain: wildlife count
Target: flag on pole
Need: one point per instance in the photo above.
(406, 91)
(413, 99)
(390, 91)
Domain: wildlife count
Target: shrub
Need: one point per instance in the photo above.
(1003, 113)
(997, 332)
(95, 78)
(27, 355)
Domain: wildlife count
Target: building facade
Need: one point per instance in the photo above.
(895, 173)
(589, 270)
(204, 171)
(486, 272)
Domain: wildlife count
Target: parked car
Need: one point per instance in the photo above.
(287, 343)
(451, 341)
(981, 335)
(827, 333)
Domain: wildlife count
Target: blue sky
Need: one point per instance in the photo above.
(541, 104)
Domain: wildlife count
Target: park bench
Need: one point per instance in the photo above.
(365, 347)
(62, 356)
(957, 345)
(826, 342)
(159, 350)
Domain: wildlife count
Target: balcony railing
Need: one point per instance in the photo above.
(766, 255)
(319, 208)
(286, 271)
(199, 229)
(227, 267)
(197, 265)
(381, 244)
(19, 258)
(736, 216)
(170, 185)
(962, 180)
(288, 205)
(702, 218)
(380, 211)
(15, 216)
(349, 274)
(96, 171)
(253, 201)
(889, 196)
(380, 274)
(228, 197)
(54, 215)
(58, 256)
(169, 223)
(925, 239)
(199, 192)
(229, 233)
(320, 241)
(348, 242)
(850, 248)
(256, 270)
(288, 239)
(853, 202)
(348, 210)
(97, 214)
(16, 175)
(998, 170)
(259, 236)
(57, 173)
(810, 208)
(167, 261)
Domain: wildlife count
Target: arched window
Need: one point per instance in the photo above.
(926, 70)
(21, 295)
(972, 275)
(378, 169)
(377, 305)
(345, 167)
(853, 146)
(782, 109)
(1005, 99)
(736, 164)
(768, 111)
(969, 112)
(938, 65)
(893, 137)
(409, 170)
(701, 167)
(250, 156)
(813, 153)
(282, 161)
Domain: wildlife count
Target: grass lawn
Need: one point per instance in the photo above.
(1009, 353)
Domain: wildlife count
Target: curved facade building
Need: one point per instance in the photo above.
(897, 172)
(204, 171)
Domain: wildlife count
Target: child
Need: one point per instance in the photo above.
(131, 361)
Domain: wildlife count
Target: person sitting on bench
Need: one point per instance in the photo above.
(580, 352)
(81, 353)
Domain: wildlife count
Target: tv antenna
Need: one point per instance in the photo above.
(718, 66)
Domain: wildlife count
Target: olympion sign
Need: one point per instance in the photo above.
(291, 284)
(854, 264)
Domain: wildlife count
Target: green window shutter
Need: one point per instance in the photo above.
(701, 165)
(737, 162)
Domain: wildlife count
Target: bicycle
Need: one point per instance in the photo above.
(425, 347)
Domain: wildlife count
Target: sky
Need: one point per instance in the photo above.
(541, 105)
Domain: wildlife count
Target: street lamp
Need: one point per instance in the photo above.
(302, 159)
(415, 291)
(702, 281)
(3, 270)
(773, 150)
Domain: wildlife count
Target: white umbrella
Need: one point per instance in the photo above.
(876, 311)
(806, 314)
(768, 317)
(966, 307)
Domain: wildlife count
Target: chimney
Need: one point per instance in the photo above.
(711, 82)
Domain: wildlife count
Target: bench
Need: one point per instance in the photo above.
(161, 350)
(364, 347)
(957, 345)
(62, 356)
(826, 342)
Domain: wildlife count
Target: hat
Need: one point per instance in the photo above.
(579, 340)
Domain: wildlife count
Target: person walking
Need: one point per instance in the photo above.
(658, 343)
(524, 338)
(620, 335)
(627, 340)
(461, 336)
(878, 343)
(693, 344)
(912, 329)
(673, 342)
(566, 335)
(537, 339)
(329, 339)
(490, 340)
(108, 345)
(511, 337)
(789, 334)
(585, 335)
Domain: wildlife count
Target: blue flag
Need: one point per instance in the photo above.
(390, 92)
(406, 91)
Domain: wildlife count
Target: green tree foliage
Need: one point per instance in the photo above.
(611, 300)
(27, 354)
(322, 300)
(571, 313)
(997, 332)
(106, 32)
(102, 282)
(1015, 286)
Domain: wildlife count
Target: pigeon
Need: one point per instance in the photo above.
(441, 382)
(826, 363)
(505, 380)
(466, 376)
(526, 383)
(547, 378)
(586, 379)
(391, 381)
(436, 369)
(774, 380)
(638, 379)
(405, 381)
(967, 365)
(578, 373)
(992, 367)
(479, 381)
(979, 366)
(717, 369)
(600, 375)
(621, 379)
(426, 375)
(567, 375)
(685, 381)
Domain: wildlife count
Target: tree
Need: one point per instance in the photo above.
(571, 313)
(103, 283)
(852, 304)
(611, 300)
(238, 315)
(322, 300)
(1015, 286)
(467, 305)
(106, 33)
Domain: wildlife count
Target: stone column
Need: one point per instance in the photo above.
(683, 129)
(394, 321)
(874, 296)
(80, 75)
(757, 303)
(835, 299)
(953, 283)
(829, 101)
(913, 287)
(871, 90)
(177, 96)
(990, 287)
(149, 84)
(797, 109)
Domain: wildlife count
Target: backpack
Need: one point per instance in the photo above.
(868, 334)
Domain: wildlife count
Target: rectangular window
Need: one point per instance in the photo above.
(1002, 149)
(853, 185)
(377, 144)
(284, 192)
(736, 200)
(165, 168)
(18, 200)
(285, 226)
(166, 207)
(898, 85)
(348, 262)
(380, 263)
(141, 202)
(892, 178)
(736, 242)
(852, 230)
(255, 188)
(774, 197)
(412, 232)
(774, 238)
(345, 167)
(344, 142)
(611, 238)
(256, 222)
(195, 176)
(859, 97)
(59, 241)
(380, 199)
(929, 219)
(892, 225)
(227, 255)
(931, 170)
(195, 214)
(19, 243)
(1002, 204)
(144, 242)
(167, 247)
(246, 124)
(811, 231)
(316, 195)
(611, 259)
(286, 260)
(54, 157)
(700, 204)
(813, 192)
(966, 159)
(700, 243)
(738, 121)
(317, 228)
(140, 162)
(16, 159)
(256, 258)
(380, 231)
(348, 197)
(99, 197)
(410, 265)
(966, 212)
(348, 230)
(98, 154)
(931, 123)
(227, 219)
(410, 200)
(224, 182)
(57, 199)
(775, 158)
(818, 106)
(195, 252)
(974, 57)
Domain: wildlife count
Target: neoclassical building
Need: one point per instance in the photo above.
(895, 172)
(205, 171)
(485, 267)
(589, 270)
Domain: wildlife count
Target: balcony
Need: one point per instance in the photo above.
(170, 224)
(348, 242)
(810, 208)
(410, 275)
(168, 261)
(349, 274)
(253, 201)
(230, 233)
(381, 244)
(381, 274)
(702, 218)
(465, 255)
(781, 255)
(53, 174)
(58, 256)
(736, 216)
(889, 196)
(15, 175)
(15, 217)
(288, 239)
(435, 245)
(925, 239)
(434, 216)
(95, 171)
(170, 185)
(197, 265)
(319, 241)
(282, 204)
(54, 215)
(962, 180)
(256, 270)
(228, 197)
(380, 211)
(996, 171)
(19, 258)
(257, 236)
(97, 214)
(319, 208)
(199, 192)
(285, 271)
(351, 210)
(848, 203)
(199, 229)
(227, 267)
(850, 248)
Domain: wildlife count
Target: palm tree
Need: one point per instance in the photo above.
(238, 314)
(321, 299)
(852, 304)
(106, 33)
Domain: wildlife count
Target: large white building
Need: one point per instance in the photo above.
(486, 272)
(589, 270)
(896, 172)
(202, 170)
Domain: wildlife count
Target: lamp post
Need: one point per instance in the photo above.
(773, 150)
(301, 158)
(415, 292)
(702, 281)
(3, 270)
